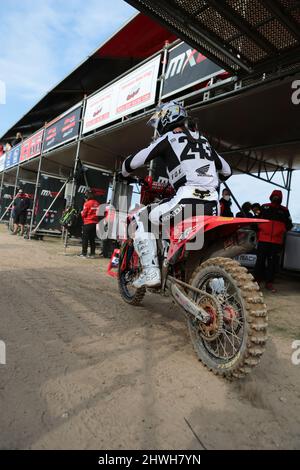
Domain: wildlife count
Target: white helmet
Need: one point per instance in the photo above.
(167, 115)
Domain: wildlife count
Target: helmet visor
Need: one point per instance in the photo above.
(155, 118)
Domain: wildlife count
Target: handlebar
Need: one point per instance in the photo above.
(128, 179)
(150, 189)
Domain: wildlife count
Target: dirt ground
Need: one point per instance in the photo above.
(86, 371)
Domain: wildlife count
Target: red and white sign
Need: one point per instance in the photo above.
(137, 90)
(128, 95)
(99, 110)
(32, 147)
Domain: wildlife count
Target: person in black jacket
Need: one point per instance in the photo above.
(17, 140)
(225, 204)
(256, 209)
(246, 211)
(20, 208)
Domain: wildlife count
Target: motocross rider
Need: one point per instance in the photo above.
(193, 168)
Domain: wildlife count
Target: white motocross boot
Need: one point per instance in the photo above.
(147, 250)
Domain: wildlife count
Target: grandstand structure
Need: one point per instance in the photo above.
(235, 65)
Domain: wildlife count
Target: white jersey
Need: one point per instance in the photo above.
(189, 159)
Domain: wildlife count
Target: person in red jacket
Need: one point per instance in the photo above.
(90, 220)
(271, 237)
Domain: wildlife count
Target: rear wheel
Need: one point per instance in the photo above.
(129, 269)
(233, 346)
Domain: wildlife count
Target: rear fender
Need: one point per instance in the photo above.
(228, 235)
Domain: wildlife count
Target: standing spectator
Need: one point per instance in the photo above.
(256, 209)
(90, 220)
(246, 211)
(17, 140)
(271, 239)
(1, 150)
(20, 208)
(7, 147)
(225, 204)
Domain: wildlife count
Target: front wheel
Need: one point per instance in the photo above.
(129, 269)
(240, 343)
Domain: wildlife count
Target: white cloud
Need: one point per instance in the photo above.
(43, 41)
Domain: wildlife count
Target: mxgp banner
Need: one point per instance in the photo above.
(13, 157)
(187, 67)
(49, 189)
(96, 180)
(6, 199)
(32, 147)
(62, 130)
(131, 93)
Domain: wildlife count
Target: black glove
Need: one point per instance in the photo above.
(126, 179)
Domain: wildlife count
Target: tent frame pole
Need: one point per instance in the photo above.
(161, 87)
(7, 209)
(290, 174)
(77, 158)
(77, 155)
(2, 183)
(232, 195)
(37, 182)
(16, 180)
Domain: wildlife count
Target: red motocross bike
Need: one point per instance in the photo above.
(223, 305)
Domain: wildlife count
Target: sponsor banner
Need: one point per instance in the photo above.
(138, 89)
(2, 162)
(49, 189)
(128, 95)
(32, 147)
(99, 110)
(187, 67)
(13, 157)
(63, 130)
(96, 180)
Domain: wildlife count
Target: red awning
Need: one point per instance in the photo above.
(140, 38)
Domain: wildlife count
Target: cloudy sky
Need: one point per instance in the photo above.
(42, 41)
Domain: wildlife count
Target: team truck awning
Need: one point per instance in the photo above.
(242, 36)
